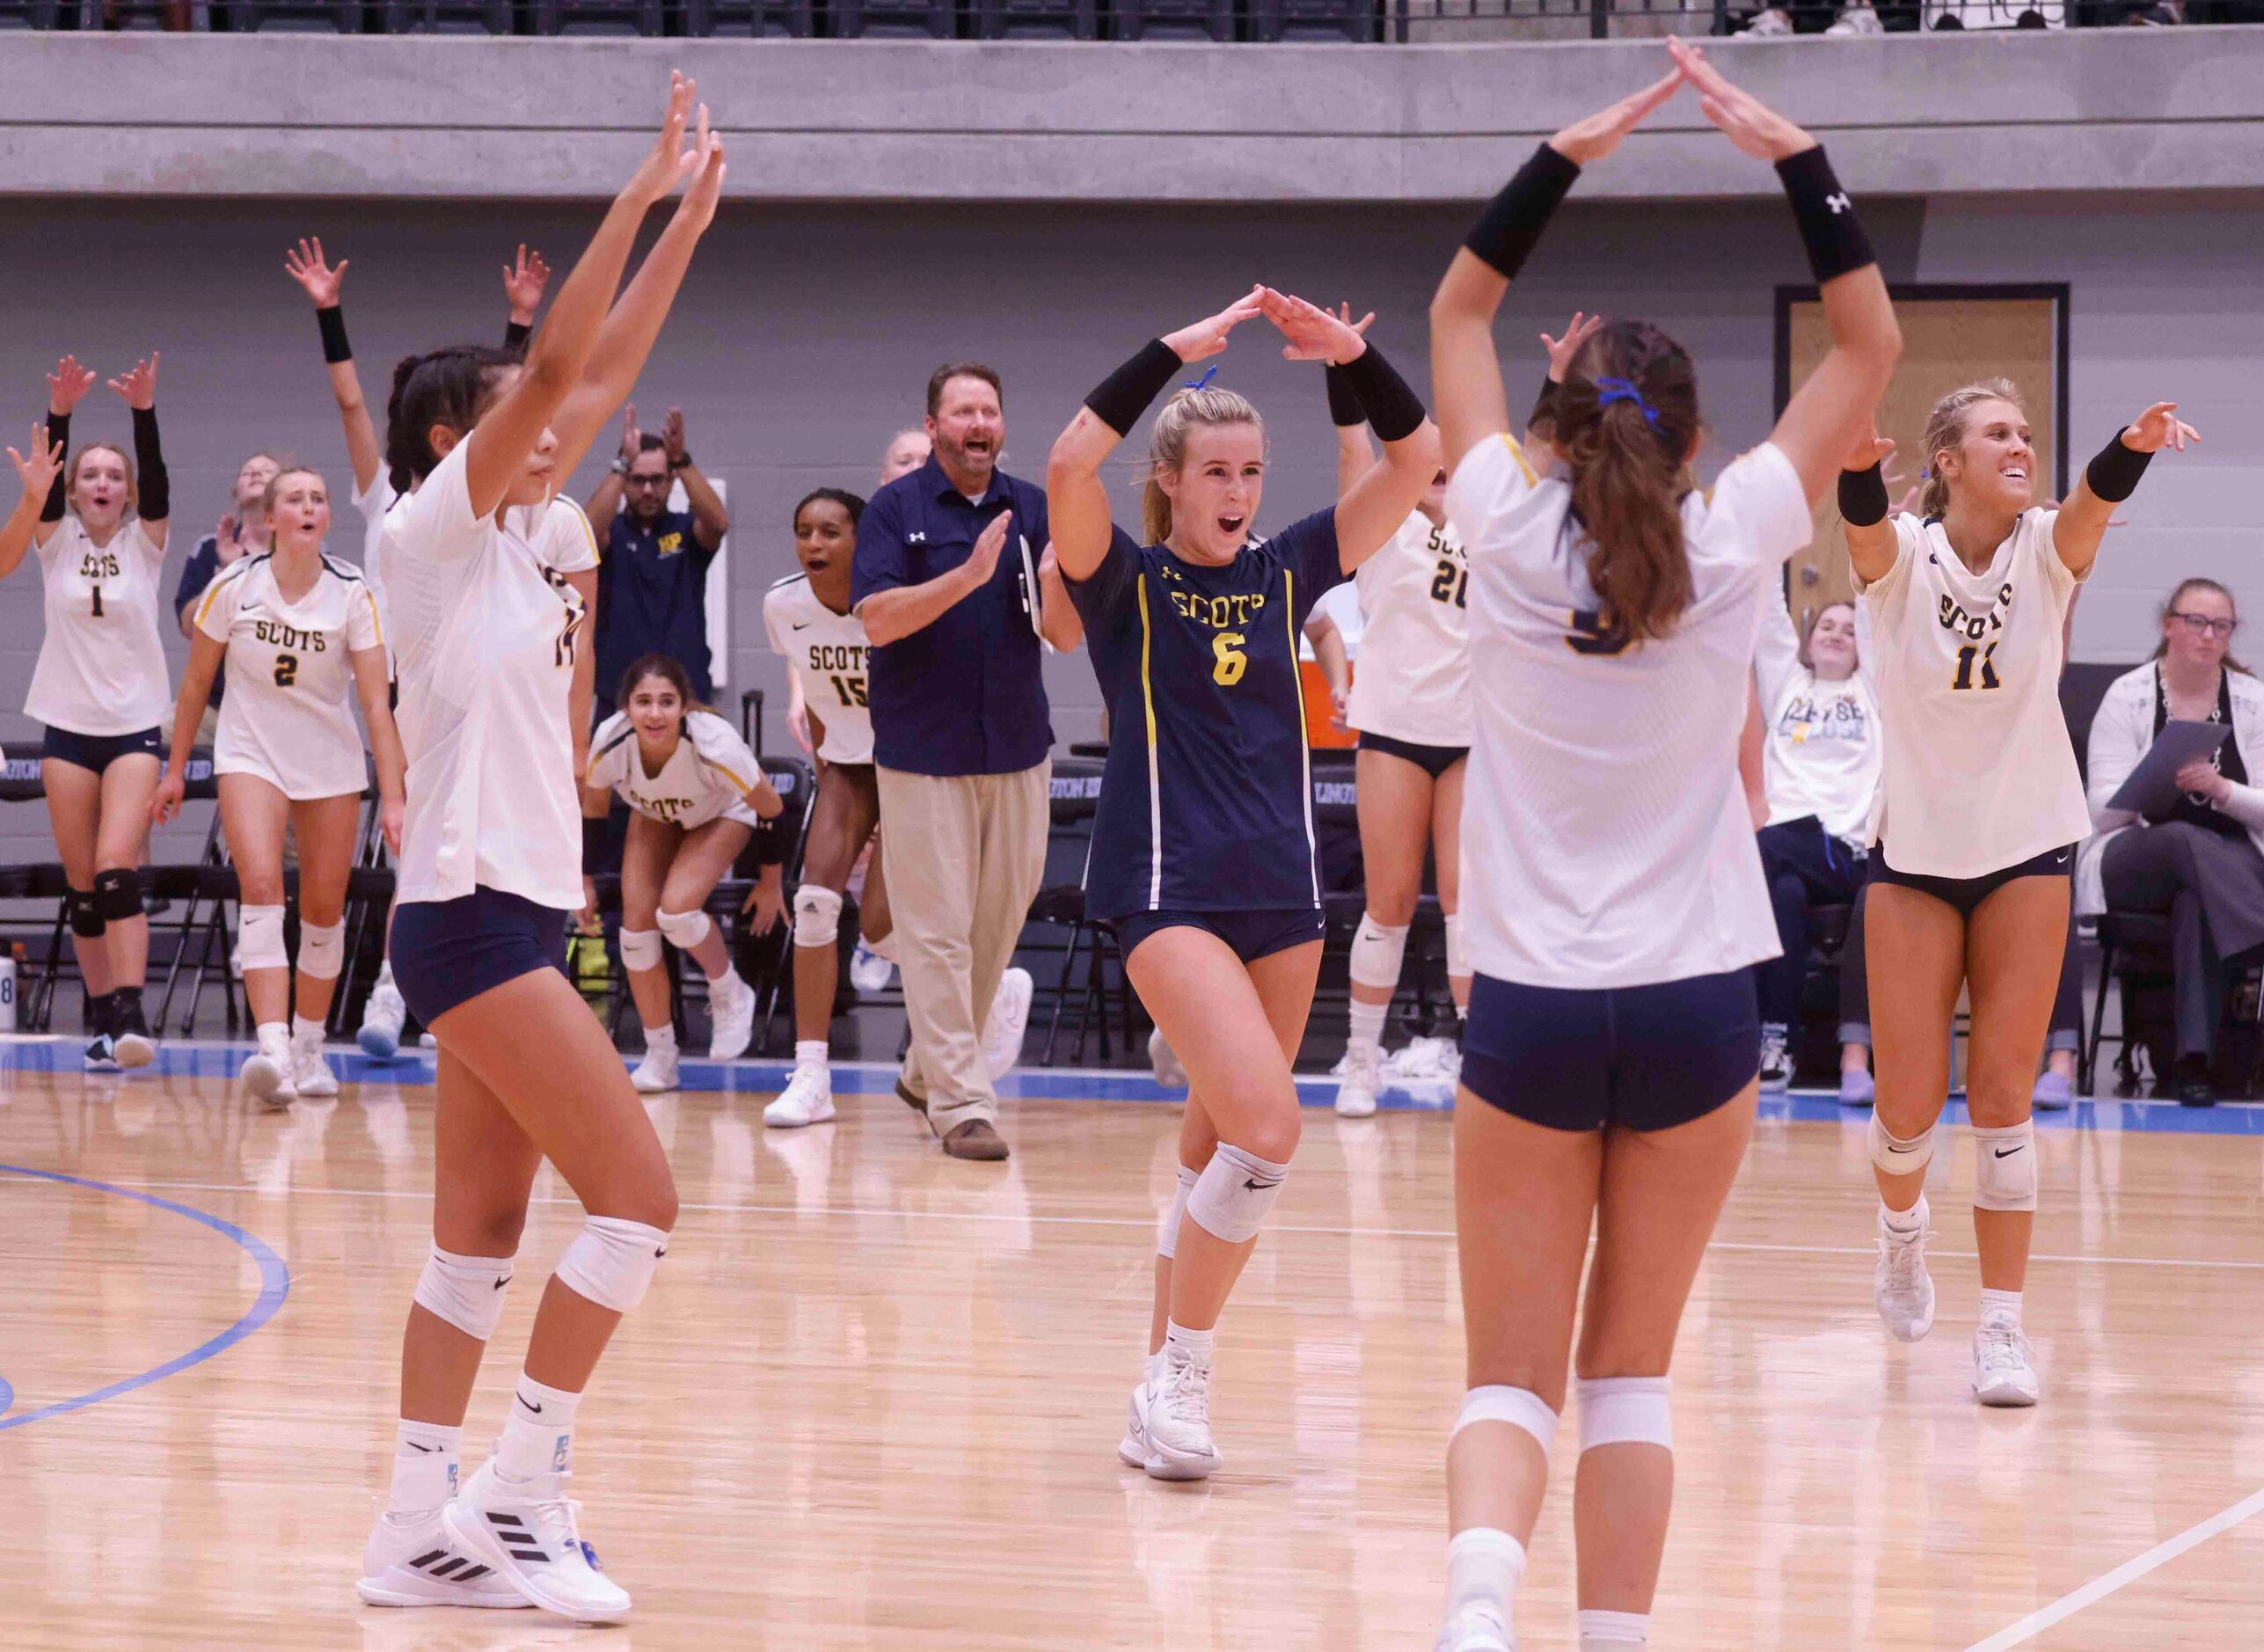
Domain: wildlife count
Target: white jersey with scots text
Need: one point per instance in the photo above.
(827, 653)
(1820, 748)
(707, 778)
(1412, 681)
(485, 630)
(1979, 773)
(288, 713)
(1605, 839)
(101, 670)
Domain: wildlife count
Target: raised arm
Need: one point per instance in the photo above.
(1076, 503)
(523, 285)
(561, 349)
(1355, 453)
(37, 472)
(2111, 477)
(632, 323)
(1832, 409)
(605, 503)
(710, 520)
(66, 386)
(1863, 507)
(1465, 376)
(138, 390)
(324, 282)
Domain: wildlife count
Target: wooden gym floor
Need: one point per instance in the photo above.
(873, 1398)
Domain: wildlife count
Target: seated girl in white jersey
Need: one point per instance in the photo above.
(385, 1013)
(1612, 896)
(299, 635)
(1202, 856)
(1981, 810)
(696, 796)
(100, 686)
(490, 576)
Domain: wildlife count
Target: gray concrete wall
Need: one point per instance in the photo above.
(316, 115)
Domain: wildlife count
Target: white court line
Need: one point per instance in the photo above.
(2129, 1572)
(882, 1213)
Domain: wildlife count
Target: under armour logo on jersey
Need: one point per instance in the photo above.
(1840, 203)
(916, 538)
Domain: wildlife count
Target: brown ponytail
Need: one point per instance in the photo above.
(1626, 418)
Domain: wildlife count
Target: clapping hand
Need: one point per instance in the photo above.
(66, 384)
(39, 469)
(1596, 136)
(2158, 427)
(632, 439)
(321, 279)
(983, 561)
(139, 387)
(1742, 118)
(1313, 333)
(1208, 337)
(672, 434)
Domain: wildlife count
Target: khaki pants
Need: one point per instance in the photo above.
(964, 856)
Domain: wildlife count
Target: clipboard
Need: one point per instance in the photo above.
(2152, 787)
(1033, 595)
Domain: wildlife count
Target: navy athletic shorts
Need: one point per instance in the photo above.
(1965, 894)
(1251, 935)
(447, 952)
(98, 752)
(1645, 1057)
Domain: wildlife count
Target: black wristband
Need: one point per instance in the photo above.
(58, 436)
(682, 462)
(593, 845)
(1544, 407)
(770, 841)
(156, 502)
(1124, 395)
(516, 333)
(1509, 230)
(332, 320)
(1829, 230)
(1394, 410)
(2114, 471)
(1862, 497)
(1344, 408)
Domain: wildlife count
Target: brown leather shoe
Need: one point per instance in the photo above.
(904, 1095)
(975, 1139)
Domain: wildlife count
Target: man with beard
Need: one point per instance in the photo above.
(651, 583)
(944, 579)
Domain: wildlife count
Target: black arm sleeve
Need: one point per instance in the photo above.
(58, 436)
(1862, 497)
(1119, 399)
(770, 841)
(516, 333)
(593, 845)
(1394, 410)
(156, 488)
(1344, 408)
(1829, 230)
(332, 320)
(1511, 227)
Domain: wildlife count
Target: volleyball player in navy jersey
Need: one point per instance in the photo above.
(1612, 887)
(1203, 853)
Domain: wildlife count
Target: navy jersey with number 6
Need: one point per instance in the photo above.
(1206, 802)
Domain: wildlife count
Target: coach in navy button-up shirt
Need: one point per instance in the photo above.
(963, 694)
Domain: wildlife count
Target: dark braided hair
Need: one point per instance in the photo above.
(440, 387)
(853, 503)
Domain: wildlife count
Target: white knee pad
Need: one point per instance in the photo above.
(612, 1260)
(1376, 950)
(322, 949)
(640, 949)
(685, 930)
(1458, 954)
(1234, 1193)
(259, 937)
(1519, 1407)
(1167, 1230)
(2004, 1168)
(1899, 1157)
(817, 916)
(1624, 1411)
(467, 1292)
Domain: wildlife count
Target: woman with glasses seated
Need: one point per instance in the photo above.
(2201, 861)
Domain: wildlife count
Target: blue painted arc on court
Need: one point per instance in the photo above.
(274, 1286)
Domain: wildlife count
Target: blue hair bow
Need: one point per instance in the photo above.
(1208, 374)
(1608, 390)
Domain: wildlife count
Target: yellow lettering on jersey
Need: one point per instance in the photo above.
(276, 633)
(1219, 613)
(670, 544)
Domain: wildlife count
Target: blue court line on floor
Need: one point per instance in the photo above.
(220, 1059)
(7, 1396)
(274, 1285)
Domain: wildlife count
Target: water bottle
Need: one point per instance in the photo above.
(7, 992)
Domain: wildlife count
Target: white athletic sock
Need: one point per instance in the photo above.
(1602, 1630)
(1367, 1022)
(304, 1031)
(728, 982)
(384, 972)
(1484, 1567)
(538, 1433)
(424, 1455)
(2000, 1304)
(1197, 1343)
(660, 1039)
(810, 1052)
(1908, 1221)
(1462, 1012)
(264, 1030)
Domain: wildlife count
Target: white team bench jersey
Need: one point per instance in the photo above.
(1413, 679)
(485, 629)
(1820, 738)
(707, 778)
(1605, 841)
(829, 653)
(287, 716)
(101, 670)
(1979, 773)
